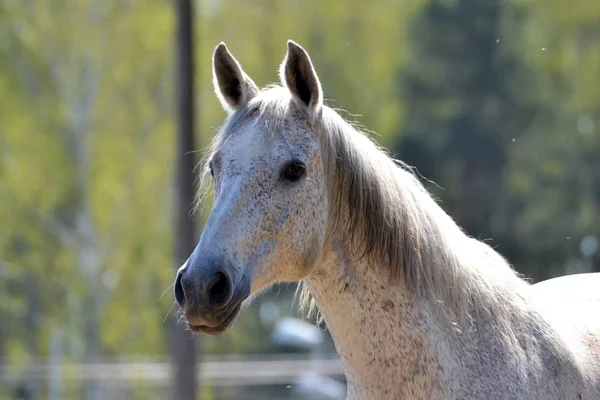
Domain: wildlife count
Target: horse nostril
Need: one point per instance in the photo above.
(178, 290)
(219, 290)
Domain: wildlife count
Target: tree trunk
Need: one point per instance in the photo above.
(183, 346)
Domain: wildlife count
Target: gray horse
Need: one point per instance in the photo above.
(417, 309)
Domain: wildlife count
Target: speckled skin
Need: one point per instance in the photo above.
(394, 346)
(394, 342)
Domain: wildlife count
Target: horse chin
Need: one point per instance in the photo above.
(220, 329)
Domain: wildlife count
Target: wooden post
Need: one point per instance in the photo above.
(183, 346)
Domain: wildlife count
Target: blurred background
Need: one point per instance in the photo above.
(496, 101)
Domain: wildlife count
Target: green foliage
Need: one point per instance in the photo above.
(555, 172)
(465, 113)
(496, 95)
(87, 133)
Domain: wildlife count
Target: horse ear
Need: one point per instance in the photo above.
(232, 86)
(298, 75)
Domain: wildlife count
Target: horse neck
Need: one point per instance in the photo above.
(395, 343)
(381, 330)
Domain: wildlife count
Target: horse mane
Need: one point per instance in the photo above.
(381, 208)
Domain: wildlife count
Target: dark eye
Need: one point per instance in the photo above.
(292, 171)
(210, 169)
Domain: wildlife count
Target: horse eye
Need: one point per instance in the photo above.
(293, 171)
(210, 168)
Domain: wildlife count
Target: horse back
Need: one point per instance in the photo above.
(571, 304)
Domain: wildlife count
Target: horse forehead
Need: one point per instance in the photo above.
(246, 144)
(258, 138)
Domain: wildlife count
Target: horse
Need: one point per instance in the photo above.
(417, 308)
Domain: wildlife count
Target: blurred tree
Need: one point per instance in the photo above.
(464, 114)
(73, 160)
(555, 171)
(492, 91)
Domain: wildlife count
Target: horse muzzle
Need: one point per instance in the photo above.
(209, 297)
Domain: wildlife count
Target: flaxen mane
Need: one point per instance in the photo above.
(389, 218)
